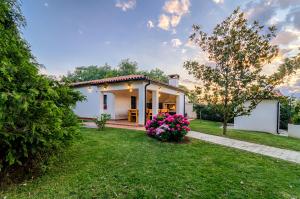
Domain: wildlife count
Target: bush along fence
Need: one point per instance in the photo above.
(166, 127)
(209, 112)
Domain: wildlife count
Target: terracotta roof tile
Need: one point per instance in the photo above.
(110, 80)
(122, 79)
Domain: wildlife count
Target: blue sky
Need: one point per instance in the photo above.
(64, 34)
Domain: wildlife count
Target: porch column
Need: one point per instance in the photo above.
(111, 105)
(180, 104)
(141, 104)
(155, 102)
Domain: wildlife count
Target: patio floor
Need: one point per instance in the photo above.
(122, 124)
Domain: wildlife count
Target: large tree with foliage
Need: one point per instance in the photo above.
(86, 73)
(237, 52)
(35, 111)
(125, 67)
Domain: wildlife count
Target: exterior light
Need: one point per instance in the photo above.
(130, 87)
(89, 89)
(105, 87)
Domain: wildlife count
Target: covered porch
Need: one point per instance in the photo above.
(132, 104)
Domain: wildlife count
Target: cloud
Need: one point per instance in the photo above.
(293, 83)
(126, 5)
(80, 31)
(107, 42)
(190, 44)
(173, 12)
(150, 24)
(177, 7)
(164, 22)
(285, 37)
(176, 43)
(46, 4)
(294, 16)
(175, 20)
(218, 1)
(269, 11)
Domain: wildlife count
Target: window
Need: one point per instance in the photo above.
(133, 102)
(104, 102)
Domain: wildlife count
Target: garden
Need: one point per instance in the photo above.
(119, 163)
(46, 153)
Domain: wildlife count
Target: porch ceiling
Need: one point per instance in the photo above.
(125, 92)
(164, 97)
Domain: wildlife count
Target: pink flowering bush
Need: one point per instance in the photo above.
(166, 127)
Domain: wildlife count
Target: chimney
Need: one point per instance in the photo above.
(174, 80)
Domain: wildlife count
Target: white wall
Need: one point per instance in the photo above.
(111, 98)
(122, 105)
(294, 130)
(190, 111)
(91, 107)
(262, 118)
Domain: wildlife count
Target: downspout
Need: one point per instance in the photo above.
(184, 105)
(145, 111)
(278, 117)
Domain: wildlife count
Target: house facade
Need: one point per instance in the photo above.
(129, 96)
(265, 117)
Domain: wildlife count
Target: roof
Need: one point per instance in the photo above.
(122, 79)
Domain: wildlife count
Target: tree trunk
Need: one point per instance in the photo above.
(225, 125)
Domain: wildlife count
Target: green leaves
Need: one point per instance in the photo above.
(35, 111)
(237, 53)
(126, 67)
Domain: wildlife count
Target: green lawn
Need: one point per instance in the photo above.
(210, 127)
(121, 163)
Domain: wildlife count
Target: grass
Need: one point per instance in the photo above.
(213, 128)
(119, 163)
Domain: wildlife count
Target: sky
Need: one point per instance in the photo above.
(64, 34)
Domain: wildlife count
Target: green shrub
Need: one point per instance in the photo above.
(296, 118)
(101, 121)
(166, 127)
(36, 116)
(284, 113)
(209, 112)
(295, 111)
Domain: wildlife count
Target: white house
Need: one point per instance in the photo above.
(124, 96)
(265, 117)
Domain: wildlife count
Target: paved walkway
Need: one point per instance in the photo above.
(288, 155)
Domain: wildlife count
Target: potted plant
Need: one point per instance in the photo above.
(294, 127)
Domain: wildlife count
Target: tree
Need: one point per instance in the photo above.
(157, 74)
(86, 73)
(36, 114)
(285, 111)
(295, 112)
(237, 52)
(127, 67)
